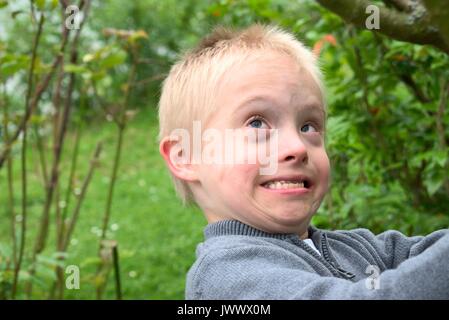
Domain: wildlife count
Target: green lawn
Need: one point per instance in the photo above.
(156, 235)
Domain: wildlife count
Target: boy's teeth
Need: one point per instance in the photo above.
(284, 185)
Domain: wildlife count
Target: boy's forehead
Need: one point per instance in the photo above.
(269, 69)
(262, 84)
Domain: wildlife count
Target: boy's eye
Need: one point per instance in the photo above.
(257, 122)
(308, 126)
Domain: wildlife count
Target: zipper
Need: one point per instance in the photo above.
(330, 266)
(326, 255)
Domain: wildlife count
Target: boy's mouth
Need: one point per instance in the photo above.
(288, 182)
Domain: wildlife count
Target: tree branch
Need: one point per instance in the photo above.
(439, 14)
(415, 27)
(401, 5)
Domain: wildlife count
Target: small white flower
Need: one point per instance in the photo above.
(142, 183)
(152, 190)
(77, 191)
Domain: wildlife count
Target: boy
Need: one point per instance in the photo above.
(263, 85)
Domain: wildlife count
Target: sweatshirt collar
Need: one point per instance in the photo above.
(237, 228)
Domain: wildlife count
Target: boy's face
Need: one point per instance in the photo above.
(268, 93)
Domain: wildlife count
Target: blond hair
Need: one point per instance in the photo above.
(188, 91)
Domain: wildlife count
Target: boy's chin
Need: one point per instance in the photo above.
(286, 209)
(288, 216)
(293, 218)
(285, 225)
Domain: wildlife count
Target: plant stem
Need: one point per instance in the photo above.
(69, 189)
(86, 183)
(63, 245)
(41, 149)
(115, 258)
(23, 157)
(10, 181)
(116, 163)
(121, 124)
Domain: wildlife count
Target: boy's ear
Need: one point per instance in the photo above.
(177, 159)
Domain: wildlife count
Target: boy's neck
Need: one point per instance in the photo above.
(304, 235)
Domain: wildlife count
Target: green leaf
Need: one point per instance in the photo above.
(440, 157)
(433, 183)
(40, 4)
(5, 250)
(37, 119)
(46, 4)
(45, 272)
(96, 76)
(7, 276)
(3, 3)
(24, 275)
(136, 35)
(90, 261)
(37, 281)
(49, 261)
(11, 64)
(112, 60)
(73, 68)
(88, 57)
(40, 67)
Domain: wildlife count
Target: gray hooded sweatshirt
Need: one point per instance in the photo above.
(237, 261)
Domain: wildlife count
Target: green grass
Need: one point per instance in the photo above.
(157, 237)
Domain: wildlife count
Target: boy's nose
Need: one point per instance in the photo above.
(292, 148)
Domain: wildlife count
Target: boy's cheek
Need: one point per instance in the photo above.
(221, 175)
(237, 178)
(325, 178)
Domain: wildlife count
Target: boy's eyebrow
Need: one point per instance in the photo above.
(268, 101)
(314, 108)
(263, 103)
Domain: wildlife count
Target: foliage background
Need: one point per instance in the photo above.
(387, 137)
